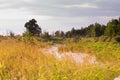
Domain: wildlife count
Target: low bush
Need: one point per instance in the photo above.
(117, 38)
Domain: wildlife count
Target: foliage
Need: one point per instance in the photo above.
(94, 30)
(32, 27)
(113, 28)
(45, 36)
(59, 34)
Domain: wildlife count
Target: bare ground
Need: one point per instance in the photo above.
(78, 58)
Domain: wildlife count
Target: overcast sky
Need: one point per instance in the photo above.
(55, 15)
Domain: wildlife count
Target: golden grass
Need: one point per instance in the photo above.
(25, 61)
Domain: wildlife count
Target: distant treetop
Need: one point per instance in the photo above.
(32, 27)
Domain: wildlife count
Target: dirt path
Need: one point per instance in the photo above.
(79, 58)
(118, 78)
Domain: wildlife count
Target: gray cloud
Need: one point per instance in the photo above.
(74, 8)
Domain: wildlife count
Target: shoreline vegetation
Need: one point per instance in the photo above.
(33, 57)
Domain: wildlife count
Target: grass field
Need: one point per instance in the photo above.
(25, 61)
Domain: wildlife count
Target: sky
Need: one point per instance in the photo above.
(54, 15)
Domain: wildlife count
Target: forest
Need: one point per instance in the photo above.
(112, 29)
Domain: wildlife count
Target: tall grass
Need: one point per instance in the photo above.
(104, 51)
(107, 53)
(25, 61)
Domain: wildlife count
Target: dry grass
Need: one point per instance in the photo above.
(24, 61)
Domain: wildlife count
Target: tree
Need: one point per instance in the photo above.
(95, 30)
(32, 27)
(118, 27)
(11, 34)
(73, 32)
(112, 28)
(57, 33)
(45, 36)
(62, 34)
(68, 34)
(99, 29)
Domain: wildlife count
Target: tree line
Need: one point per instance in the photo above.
(93, 30)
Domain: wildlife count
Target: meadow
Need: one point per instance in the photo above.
(24, 60)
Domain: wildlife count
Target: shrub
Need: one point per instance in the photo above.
(117, 38)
